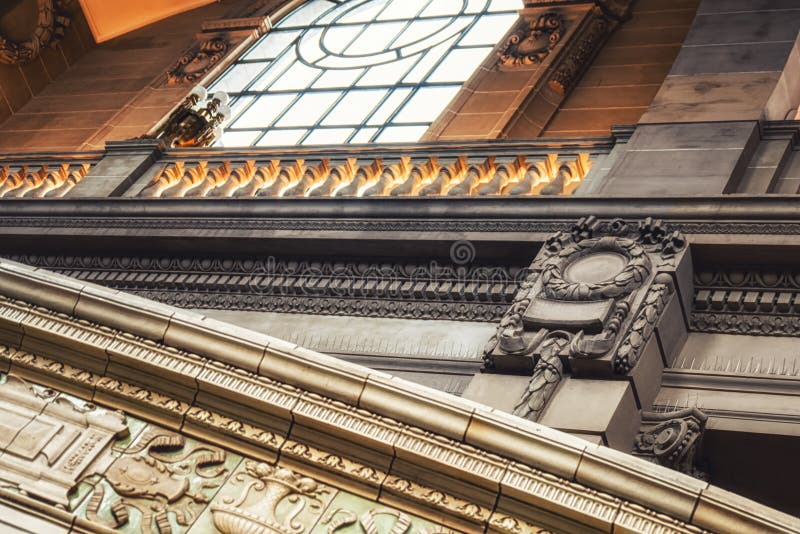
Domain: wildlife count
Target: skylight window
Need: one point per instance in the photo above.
(359, 71)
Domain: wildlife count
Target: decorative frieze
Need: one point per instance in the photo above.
(747, 302)
(39, 181)
(411, 290)
(402, 177)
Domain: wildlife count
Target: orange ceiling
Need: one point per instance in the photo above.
(111, 18)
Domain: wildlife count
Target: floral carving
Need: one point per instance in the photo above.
(643, 325)
(546, 376)
(533, 41)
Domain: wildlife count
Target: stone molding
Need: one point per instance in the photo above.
(425, 417)
(411, 290)
(747, 302)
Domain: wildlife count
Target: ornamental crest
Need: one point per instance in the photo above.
(590, 305)
(533, 41)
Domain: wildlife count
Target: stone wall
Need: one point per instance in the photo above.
(627, 73)
(20, 83)
(93, 93)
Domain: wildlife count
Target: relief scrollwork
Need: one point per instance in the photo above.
(533, 41)
(673, 439)
(160, 479)
(198, 60)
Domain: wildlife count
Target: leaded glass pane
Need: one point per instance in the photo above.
(358, 71)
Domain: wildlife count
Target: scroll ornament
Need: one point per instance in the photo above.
(533, 41)
(673, 439)
(197, 61)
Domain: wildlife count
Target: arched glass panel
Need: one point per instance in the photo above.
(359, 71)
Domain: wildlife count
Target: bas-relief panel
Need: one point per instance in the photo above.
(135, 477)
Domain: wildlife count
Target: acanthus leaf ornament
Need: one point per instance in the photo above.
(533, 41)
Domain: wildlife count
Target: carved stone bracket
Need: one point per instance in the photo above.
(673, 439)
(50, 25)
(589, 306)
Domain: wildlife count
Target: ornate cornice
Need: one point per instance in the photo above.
(386, 422)
(413, 290)
(747, 302)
